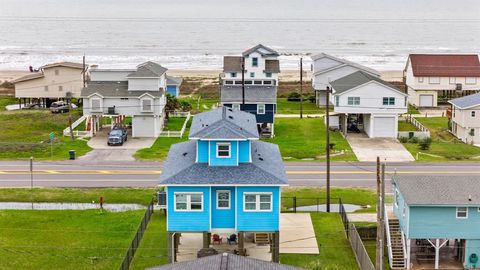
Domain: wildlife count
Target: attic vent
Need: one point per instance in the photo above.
(185, 154)
(231, 117)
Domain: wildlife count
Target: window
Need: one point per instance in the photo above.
(268, 74)
(353, 100)
(473, 113)
(123, 98)
(472, 132)
(228, 82)
(45, 88)
(248, 82)
(388, 101)
(337, 101)
(257, 202)
(254, 62)
(257, 82)
(267, 82)
(238, 82)
(96, 104)
(397, 197)
(223, 150)
(233, 74)
(188, 201)
(452, 80)
(462, 212)
(252, 74)
(404, 210)
(470, 80)
(60, 88)
(434, 80)
(261, 109)
(420, 79)
(57, 72)
(236, 106)
(223, 199)
(147, 105)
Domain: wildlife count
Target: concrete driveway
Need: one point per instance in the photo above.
(388, 149)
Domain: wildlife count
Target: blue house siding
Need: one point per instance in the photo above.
(202, 151)
(441, 222)
(244, 155)
(223, 218)
(231, 161)
(471, 247)
(401, 210)
(188, 221)
(172, 90)
(270, 110)
(258, 221)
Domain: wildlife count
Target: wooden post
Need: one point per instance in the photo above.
(170, 247)
(327, 95)
(276, 247)
(206, 243)
(241, 244)
(379, 232)
(301, 87)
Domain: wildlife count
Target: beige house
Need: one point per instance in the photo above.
(464, 118)
(52, 82)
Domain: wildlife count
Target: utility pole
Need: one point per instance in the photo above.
(378, 252)
(31, 179)
(301, 87)
(328, 147)
(383, 216)
(243, 83)
(69, 100)
(84, 71)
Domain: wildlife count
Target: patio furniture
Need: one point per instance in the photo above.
(217, 239)
(232, 239)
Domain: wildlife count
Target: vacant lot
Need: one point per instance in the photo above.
(293, 107)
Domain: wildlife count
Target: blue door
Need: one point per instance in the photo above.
(223, 207)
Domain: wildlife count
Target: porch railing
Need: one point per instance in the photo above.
(78, 133)
(389, 240)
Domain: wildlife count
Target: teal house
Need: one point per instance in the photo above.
(436, 223)
(223, 181)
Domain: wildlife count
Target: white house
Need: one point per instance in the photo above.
(327, 68)
(439, 77)
(464, 118)
(119, 93)
(365, 102)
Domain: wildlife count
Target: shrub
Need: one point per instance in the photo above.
(293, 96)
(424, 144)
(413, 140)
(403, 139)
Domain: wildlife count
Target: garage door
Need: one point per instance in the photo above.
(426, 100)
(384, 127)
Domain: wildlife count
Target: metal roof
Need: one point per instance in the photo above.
(439, 190)
(356, 79)
(174, 80)
(466, 101)
(29, 77)
(253, 94)
(224, 123)
(458, 65)
(148, 69)
(64, 64)
(266, 167)
(232, 64)
(114, 89)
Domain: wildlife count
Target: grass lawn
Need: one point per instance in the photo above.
(200, 105)
(67, 239)
(444, 145)
(335, 250)
(153, 248)
(305, 138)
(406, 126)
(175, 123)
(293, 107)
(7, 100)
(26, 133)
(412, 109)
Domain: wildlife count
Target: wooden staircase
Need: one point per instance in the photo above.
(262, 239)
(396, 244)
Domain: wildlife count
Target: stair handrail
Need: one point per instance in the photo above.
(404, 249)
(389, 240)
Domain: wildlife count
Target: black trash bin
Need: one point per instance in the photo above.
(72, 154)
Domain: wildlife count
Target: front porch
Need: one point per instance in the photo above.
(423, 254)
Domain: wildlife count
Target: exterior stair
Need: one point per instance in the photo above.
(262, 239)
(396, 245)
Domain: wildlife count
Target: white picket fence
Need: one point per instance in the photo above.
(76, 133)
(175, 133)
(423, 132)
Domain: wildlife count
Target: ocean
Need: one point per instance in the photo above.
(193, 34)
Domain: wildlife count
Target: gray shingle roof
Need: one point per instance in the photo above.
(225, 262)
(232, 64)
(114, 89)
(355, 79)
(253, 94)
(266, 168)
(272, 66)
(345, 61)
(439, 190)
(263, 50)
(224, 123)
(148, 69)
(174, 80)
(466, 101)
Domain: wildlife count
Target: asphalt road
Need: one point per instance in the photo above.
(146, 174)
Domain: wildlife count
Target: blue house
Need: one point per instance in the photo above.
(436, 223)
(173, 86)
(223, 180)
(260, 80)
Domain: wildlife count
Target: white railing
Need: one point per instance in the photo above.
(175, 133)
(404, 250)
(79, 133)
(389, 240)
(417, 124)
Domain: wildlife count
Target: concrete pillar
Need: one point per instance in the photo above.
(170, 249)
(345, 125)
(241, 243)
(276, 247)
(437, 253)
(408, 253)
(206, 240)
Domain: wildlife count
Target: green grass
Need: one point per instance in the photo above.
(293, 107)
(412, 109)
(26, 133)
(335, 250)
(406, 126)
(175, 123)
(7, 100)
(200, 105)
(444, 147)
(305, 138)
(153, 248)
(81, 195)
(67, 239)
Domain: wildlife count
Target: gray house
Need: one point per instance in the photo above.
(120, 93)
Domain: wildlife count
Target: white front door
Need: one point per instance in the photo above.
(384, 127)
(426, 101)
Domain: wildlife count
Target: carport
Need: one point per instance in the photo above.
(373, 125)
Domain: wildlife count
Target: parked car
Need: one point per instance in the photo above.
(59, 107)
(117, 136)
(31, 106)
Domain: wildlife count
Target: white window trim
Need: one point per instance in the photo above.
(151, 104)
(224, 144)
(472, 82)
(353, 101)
(188, 201)
(252, 74)
(257, 201)
(388, 101)
(452, 80)
(466, 217)
(473, 114)
(229, 199)
(258, 108)
(99, 107)
(430, 81)
(236, 106)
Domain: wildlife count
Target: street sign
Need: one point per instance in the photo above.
(52, 136)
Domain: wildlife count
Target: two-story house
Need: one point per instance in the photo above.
(464, 117)
(223, 180)
(260, 68)
(327, 68)
(431, 78)
(51, 83)
(119, 93)
(365, 102)
(435, 223)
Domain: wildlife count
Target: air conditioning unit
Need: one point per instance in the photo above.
(458, 86)
(162, 199)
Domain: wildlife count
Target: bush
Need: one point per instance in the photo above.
(7, 85)
(403, 139)
(424, 144)
(413, 140)
(185, 106)
(311, 98)
(293, 96)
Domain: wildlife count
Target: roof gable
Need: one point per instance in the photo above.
(64, 64)
(148, 70)
(466, 101)
(445, 65)
(358, 79)
(342, 62)
(261, 49)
